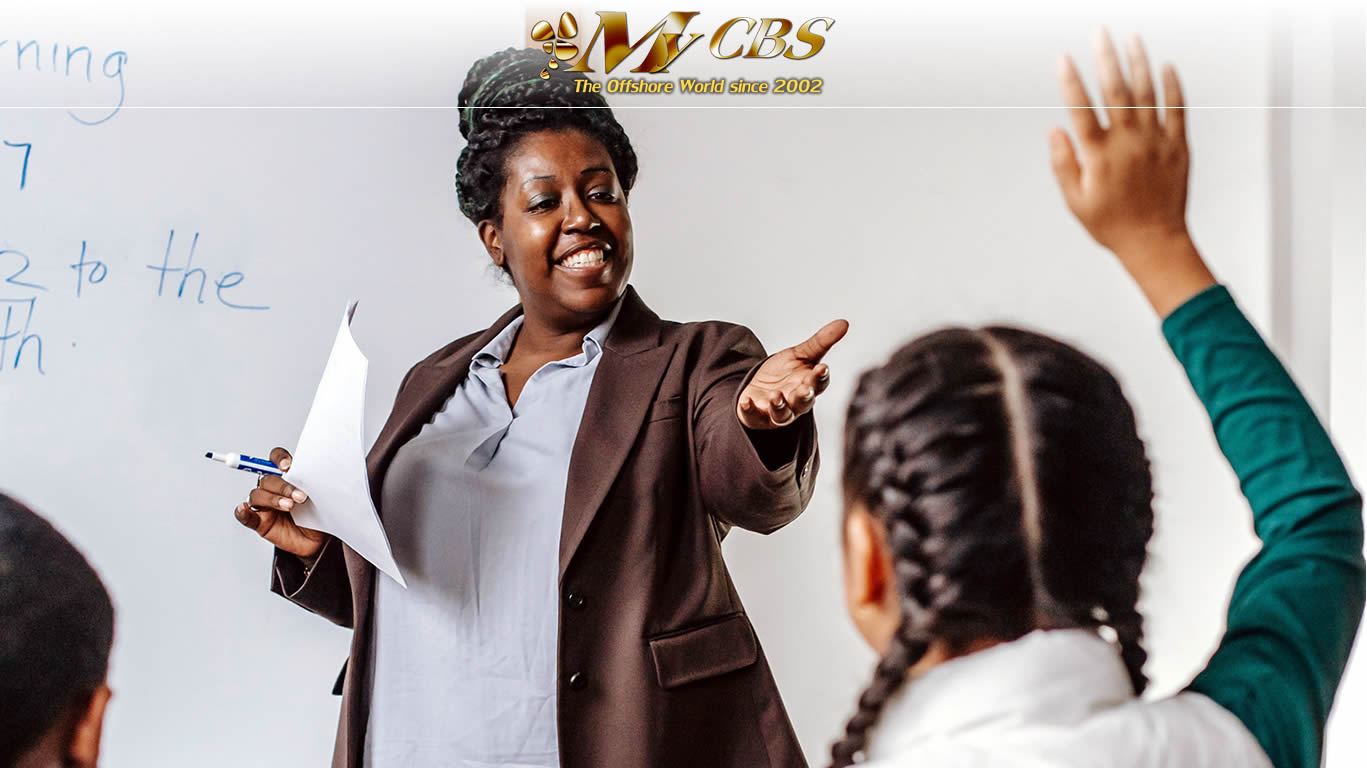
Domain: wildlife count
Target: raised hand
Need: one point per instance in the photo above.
(1129, 189)
(786, 385)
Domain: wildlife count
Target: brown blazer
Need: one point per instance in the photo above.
(658, 663)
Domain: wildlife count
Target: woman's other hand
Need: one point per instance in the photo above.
(787, 383)
(267, 511)
(1129, 189)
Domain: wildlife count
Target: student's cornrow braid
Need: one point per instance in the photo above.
(1121, 597)
(1096, 488)
(503, 99)
(1118, 594)
(933, 447)
(916, 453)
(911, 640)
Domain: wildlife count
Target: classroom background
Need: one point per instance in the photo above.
(188, 204)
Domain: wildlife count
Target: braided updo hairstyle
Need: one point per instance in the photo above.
(1008, 472)
(505, 98)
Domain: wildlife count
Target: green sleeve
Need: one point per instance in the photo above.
(1297, 604)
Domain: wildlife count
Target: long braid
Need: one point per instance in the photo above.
(1119, 595)
(911, 457)
(908, 644)
(887, 678)
(1007, 472)
(1129, 629)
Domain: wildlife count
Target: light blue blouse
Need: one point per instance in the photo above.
(464, 667)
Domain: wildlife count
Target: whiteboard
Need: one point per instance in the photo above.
(177, 241)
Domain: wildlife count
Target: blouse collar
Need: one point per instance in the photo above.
(495, 353)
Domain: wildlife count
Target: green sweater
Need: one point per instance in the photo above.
(1297, 604)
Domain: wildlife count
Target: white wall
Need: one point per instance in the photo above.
(925, 198)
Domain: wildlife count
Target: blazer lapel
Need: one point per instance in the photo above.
(430, 386)
(623, 388)
(624, 385)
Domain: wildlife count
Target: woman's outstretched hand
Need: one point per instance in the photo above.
(1130, 189)
(786, 385)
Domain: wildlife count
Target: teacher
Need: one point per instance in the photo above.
(556, 489)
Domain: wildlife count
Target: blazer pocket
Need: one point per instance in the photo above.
(669, 408)
(690, 655)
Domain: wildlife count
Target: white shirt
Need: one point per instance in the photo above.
(1052, 699)
(464, 664)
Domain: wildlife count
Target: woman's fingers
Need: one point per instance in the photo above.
(259, 519)
(788, 384)
(778, 407)
(267, 512)
(801, 394)
(822, 374)
(261, 498)
(765, 410)
(280, 458)
(811, 384)
(277, 526)
(279, 487)
(816, 347)
(751, 415)
(780, 414)
(247, 516)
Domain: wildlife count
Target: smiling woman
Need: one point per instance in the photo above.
(557, 487)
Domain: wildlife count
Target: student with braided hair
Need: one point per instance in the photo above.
(556, 488)
(998, 510)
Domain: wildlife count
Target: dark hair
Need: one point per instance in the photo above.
(1008, 472)
(505, 98)
(56, 629)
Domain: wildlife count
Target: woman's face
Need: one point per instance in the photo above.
(565, 235)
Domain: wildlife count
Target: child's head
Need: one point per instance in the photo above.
(56, 628)
(994, 484)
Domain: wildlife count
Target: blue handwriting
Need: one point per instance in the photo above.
(28, 150)
(112, 68)
(98, 271)
(11, 330)
(228, 280)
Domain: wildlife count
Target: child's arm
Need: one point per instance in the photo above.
(1297, 605)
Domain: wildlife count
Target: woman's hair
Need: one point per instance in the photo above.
(505, 98)
(1007, 470)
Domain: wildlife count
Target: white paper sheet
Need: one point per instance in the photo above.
(329, 460)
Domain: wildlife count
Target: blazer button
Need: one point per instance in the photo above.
(577, 681)
(576, 600)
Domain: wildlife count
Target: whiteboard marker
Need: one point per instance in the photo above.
(245, 463)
